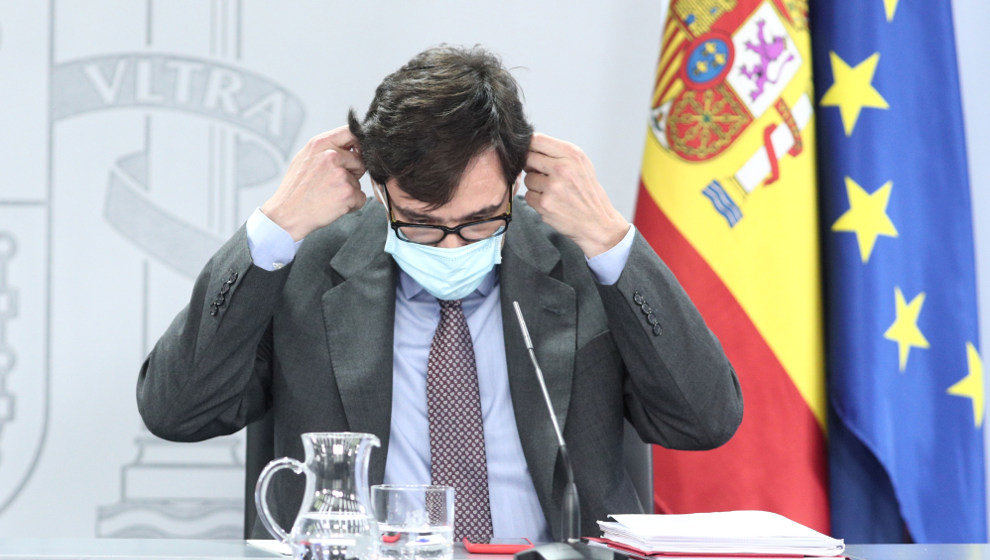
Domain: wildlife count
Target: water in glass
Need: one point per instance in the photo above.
(416, 543)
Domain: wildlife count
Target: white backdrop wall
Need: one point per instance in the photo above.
(138, 134)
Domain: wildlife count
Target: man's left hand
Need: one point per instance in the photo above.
(563, 189)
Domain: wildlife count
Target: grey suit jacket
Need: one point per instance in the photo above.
(312, 342)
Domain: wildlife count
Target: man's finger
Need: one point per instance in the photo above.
(533, 199)
(339, 137)
(351, 162)
(548, 145)
(536, 181)
(358, 201)
(357, 198)
(542, 163)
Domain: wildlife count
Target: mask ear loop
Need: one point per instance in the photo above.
(378, 192)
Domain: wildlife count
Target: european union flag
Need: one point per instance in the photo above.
(905, 378)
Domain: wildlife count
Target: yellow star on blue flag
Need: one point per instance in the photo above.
(867, 216)
(853, 90)
(904, 330)
(971, 386)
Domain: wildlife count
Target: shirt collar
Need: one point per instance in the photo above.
(411, 288)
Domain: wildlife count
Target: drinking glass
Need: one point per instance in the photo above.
(416, 522)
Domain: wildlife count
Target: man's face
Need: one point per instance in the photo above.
(481, 194)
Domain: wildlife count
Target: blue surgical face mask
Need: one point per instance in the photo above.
(446, 273)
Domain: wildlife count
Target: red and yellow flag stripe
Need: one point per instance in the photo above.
(728, 200)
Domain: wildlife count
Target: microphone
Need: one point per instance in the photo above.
(570, 546)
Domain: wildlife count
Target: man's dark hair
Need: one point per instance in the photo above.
(432, 116)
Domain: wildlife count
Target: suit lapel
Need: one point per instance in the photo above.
(359, 314)
(529, 262)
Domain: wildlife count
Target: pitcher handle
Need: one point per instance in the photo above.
(261, 494)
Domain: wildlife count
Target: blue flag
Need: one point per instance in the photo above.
(905, 378)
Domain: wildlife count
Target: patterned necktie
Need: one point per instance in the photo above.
(457, 437)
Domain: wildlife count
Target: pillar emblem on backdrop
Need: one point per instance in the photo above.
(213, 131)
(24, 395)
(18, 454)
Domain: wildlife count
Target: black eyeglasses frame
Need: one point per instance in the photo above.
(397, 224)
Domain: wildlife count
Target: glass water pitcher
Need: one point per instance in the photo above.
(335, 521)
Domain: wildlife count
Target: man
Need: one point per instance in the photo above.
(340, 314)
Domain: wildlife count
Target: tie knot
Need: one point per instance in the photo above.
(449, 304)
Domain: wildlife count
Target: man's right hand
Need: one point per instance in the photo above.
(320, 186)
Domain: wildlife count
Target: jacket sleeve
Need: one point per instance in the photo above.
(210, 373)
(681, 391)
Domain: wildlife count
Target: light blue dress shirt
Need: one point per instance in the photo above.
(515, 507)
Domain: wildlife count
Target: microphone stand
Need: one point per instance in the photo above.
(570, 546)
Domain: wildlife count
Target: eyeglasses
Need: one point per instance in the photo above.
(426, 234)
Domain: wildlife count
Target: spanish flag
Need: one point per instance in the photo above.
(728, 200)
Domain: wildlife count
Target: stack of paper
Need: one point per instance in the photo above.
(728, 533)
